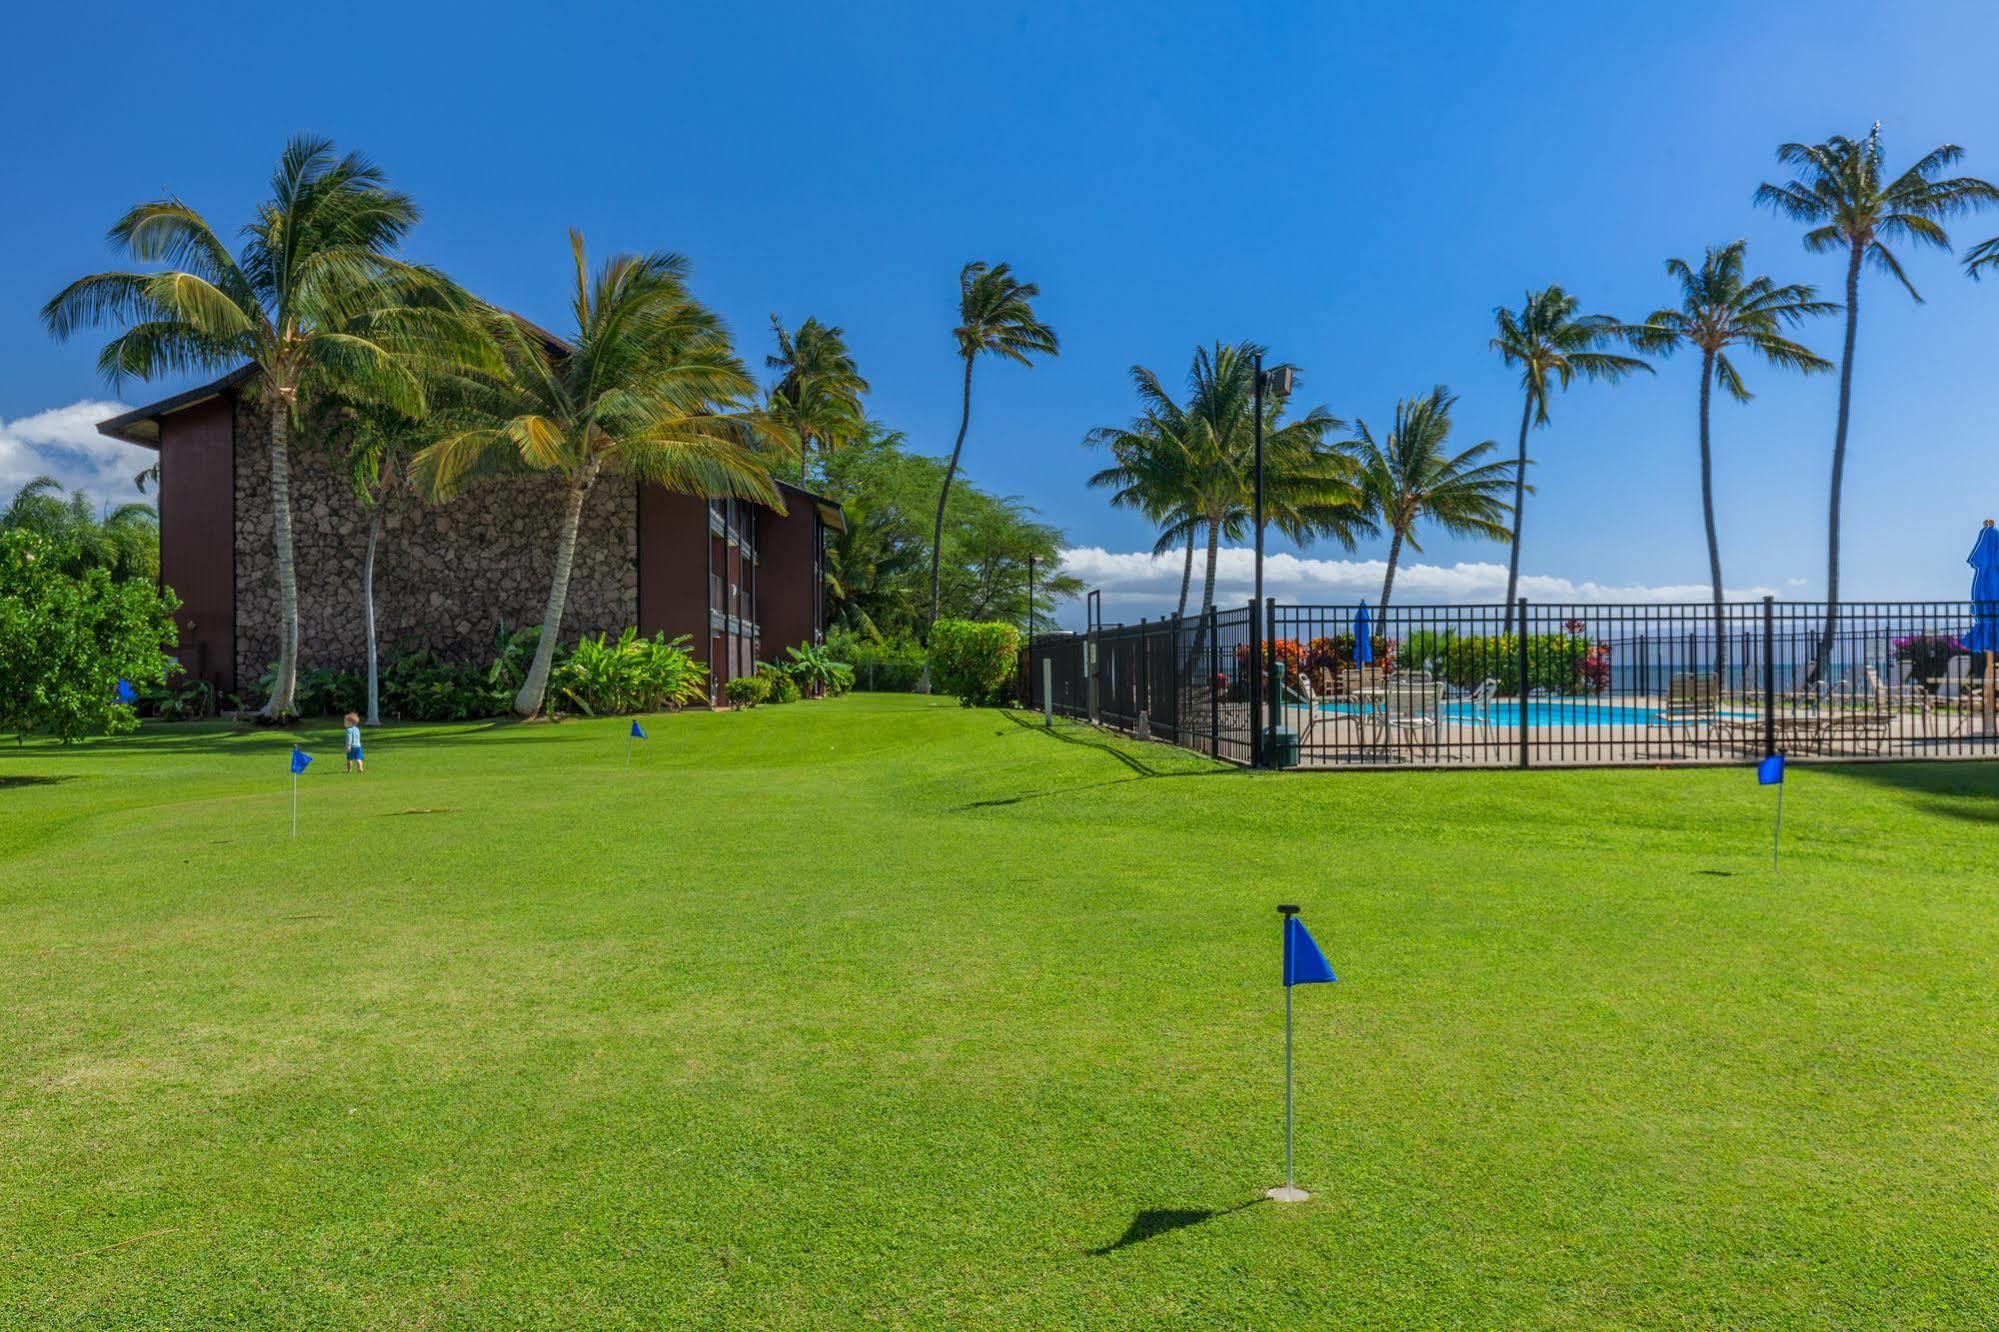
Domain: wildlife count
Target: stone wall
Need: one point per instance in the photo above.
(445, 575)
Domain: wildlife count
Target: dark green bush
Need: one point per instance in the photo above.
(746, 691)
(1555, 662)
(885, 667)
(974, 659)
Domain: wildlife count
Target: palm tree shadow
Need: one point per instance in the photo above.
(1068, 736)
(1155, 1221)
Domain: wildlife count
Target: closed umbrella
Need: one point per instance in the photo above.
(1984, 635)
(1363, 637)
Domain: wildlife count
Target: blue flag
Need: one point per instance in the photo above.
(638, 731)
(1770, 772)
(127, 694)
(1304, 964)
(299, 759)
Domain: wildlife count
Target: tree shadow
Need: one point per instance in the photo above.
(1086, 738)
(1964, 789)
(1156, 1221)
(32, 779)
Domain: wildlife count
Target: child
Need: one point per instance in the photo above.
(353, 742)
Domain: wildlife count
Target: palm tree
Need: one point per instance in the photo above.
(817, 400)
(1552, 344)
(314, 302)
(1719, 309)
(649, 389)
(377, 444)
(1151, 471)
(1840, 192)
(125, 541)
(995, 317)
(1413, 476)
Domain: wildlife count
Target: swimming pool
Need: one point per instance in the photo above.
(1551, 712)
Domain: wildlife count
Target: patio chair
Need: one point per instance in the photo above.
(1478, 704)
(1409, 706)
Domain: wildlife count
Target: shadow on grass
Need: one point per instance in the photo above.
(1156, 1221)
(1957, 789)
(32, 779)
(1087, 739)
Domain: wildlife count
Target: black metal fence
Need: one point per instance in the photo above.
(1534, 685)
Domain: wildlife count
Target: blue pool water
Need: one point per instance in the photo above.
(1544, 712)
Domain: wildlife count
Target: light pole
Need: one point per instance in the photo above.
(1278, 380)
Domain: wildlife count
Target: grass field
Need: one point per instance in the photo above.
(887, 1013)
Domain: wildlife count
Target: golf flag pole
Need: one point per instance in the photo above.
(637, 732)
(1304, 964)
(299, 759)
(1770, 772)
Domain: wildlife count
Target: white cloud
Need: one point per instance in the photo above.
(63, 442)
(1136, 583)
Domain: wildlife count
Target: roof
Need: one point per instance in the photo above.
(141, 425)
(830, 512)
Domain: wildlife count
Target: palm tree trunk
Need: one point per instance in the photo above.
(535, 687)
(368, 613)
(1207, 595)
(944, 495)
(1819, 667)
(1186, 578)
(1394, 556)
(1519, 508)
(1707, 512)
(284, 687)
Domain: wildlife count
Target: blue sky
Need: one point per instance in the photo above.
(1355, 186)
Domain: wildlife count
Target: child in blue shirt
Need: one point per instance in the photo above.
(353, 742)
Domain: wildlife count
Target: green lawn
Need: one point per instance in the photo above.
(885, 1012)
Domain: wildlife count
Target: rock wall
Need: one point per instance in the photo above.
(445, 575)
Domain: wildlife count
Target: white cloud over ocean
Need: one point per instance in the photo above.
(1136, 583)
(63, 442)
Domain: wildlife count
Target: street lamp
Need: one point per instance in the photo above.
(1278, 380)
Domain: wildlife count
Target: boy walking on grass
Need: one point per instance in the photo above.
(353, 721)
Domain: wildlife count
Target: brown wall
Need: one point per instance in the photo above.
(673, 566)
(197, 498)
(788, 591)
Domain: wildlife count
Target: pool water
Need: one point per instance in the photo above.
(1552, 712)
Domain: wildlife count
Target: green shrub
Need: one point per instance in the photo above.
(417, 685)
(1555, 662)
(779, 685)
(67, 639)
(811, 666)
(842, 680)
(746, 691)
(974, 659)
(601, 676)
(880, 666)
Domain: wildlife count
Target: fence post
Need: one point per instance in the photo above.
(1769, 676)
(1255, 685)
(1522, 641)
(1144, 681)
(1214, 694)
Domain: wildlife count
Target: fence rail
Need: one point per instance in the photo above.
(1532, 685)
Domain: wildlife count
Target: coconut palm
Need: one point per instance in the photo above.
(124, 541)
(817, 400)
(1851, 207)
(1721, 308)
(995, 317)
(1412, 476)
(1552, 344)
(649, 388)
(1151, 471)
(314, 302)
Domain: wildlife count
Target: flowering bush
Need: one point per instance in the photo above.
(1286, 650)
(1928, 655)
(1596, 668)
(1335, 654)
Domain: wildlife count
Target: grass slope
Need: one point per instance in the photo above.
(885, 1012)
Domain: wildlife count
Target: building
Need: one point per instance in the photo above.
(742, 580)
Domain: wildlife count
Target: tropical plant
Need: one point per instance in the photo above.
(1720, 308)
(649, 389)
(1413, 476)
(67, 640)
(975, 660)
(811, 665)
(1154, 470)
(1552, 344)
(601, 675)
(995, 317)
(1310, 486)
(1850, 206)
(746, 691)
(779, 684)
(817, 400)
(315, 304)
(123, 541)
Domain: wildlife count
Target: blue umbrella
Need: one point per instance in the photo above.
(1363, 637)
(1984, 562)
